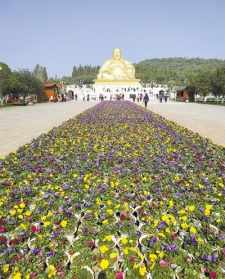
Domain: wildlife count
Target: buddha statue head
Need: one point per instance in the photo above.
(117, 54)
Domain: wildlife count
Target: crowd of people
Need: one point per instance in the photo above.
(139, 98)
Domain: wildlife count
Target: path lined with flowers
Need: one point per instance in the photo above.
(117, 190)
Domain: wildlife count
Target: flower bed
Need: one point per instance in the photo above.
(116, 191)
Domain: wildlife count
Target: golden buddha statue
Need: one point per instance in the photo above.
(116, 69)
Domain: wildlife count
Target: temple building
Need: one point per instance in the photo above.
(117, 76)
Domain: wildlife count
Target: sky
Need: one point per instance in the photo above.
(61, 33)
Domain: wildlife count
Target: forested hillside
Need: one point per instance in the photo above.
(175, 69)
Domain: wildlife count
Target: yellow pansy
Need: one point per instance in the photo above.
(103, 249)
(23, 226)
(63, 223)
(124, 240)
(142, 270)
(46, 224)
(183, 218)
(109, 212)
(208, 206)
(155, 224)
(105, 222)
(98, 201)
(182, 212)
(108, 238)
(22, 205)
(200, 240)
(191, 208)
(50, 214)
(5, 268)
(171, 203)
(167, 230)
(207, 212)
(109, 203)
(126, 250)
(126, 206)
(193, 230)
(184, 226)
(152, 257)
(172, 219)
(104, 264)
(28, 213)
(161, 235)
(166, 219)
(17, 275)
(161, 254)
(51, 270)
(43, 218)
(12, 212)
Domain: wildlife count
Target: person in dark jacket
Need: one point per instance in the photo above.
(146, 100)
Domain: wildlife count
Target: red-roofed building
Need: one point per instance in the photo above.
(52, 90)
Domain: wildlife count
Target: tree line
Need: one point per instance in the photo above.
(202, 76)
(22, 83)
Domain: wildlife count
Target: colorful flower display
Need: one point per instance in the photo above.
(117, 192)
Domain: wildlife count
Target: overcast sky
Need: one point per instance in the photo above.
(61, 33)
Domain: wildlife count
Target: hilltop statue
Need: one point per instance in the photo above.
(116, 69)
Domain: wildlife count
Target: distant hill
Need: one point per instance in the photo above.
(180, 62)
(178, 68)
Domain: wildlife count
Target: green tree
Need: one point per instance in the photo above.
(12, 85)
(22, 83)
(218, 82)
(4, 74)
(40, 73)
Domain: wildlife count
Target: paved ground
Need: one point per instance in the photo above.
(19, 125)
(207, 120)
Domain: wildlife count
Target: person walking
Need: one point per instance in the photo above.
(146, 100)
(166, 98)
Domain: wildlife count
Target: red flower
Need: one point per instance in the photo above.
(212, 275)
(174, 235)
(13, 242)
(123, 216)
(2, 229)
(120, 275)
(163, 263)
(33, 275)
(132, 259)
(35, 229)
(91, 244)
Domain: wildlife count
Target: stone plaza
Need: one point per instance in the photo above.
(19, 125)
